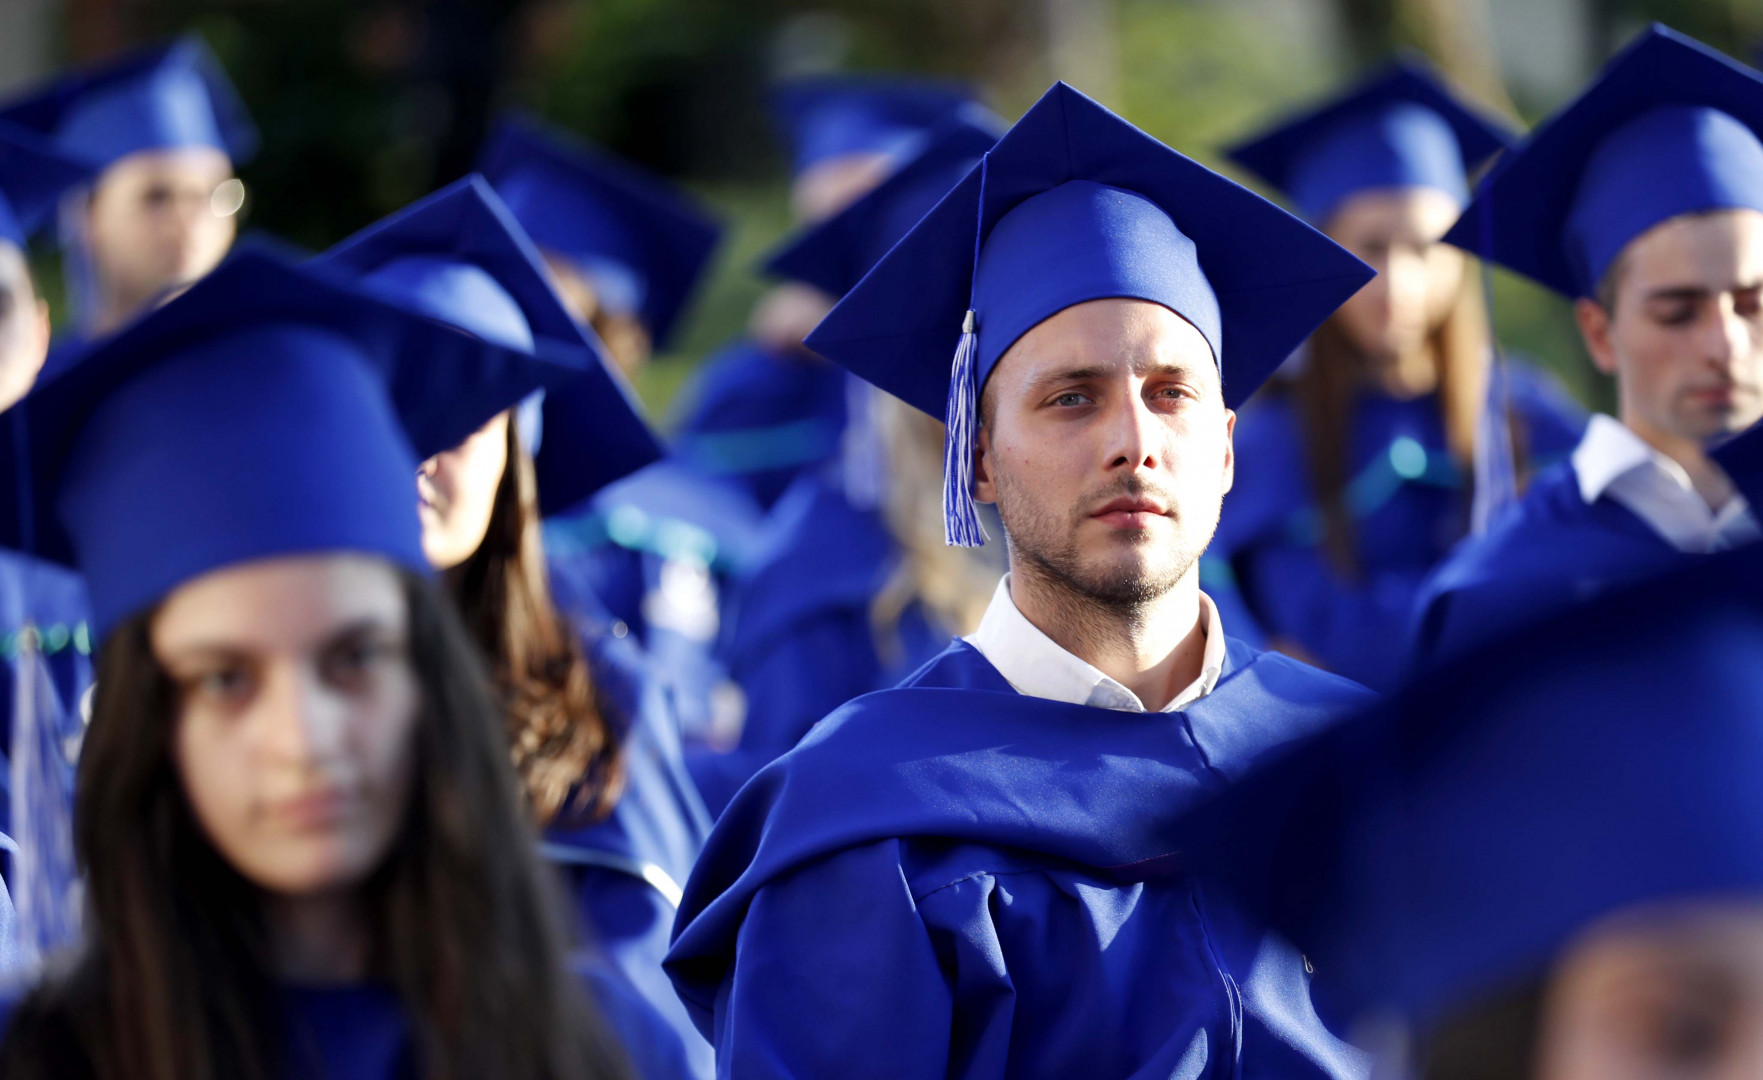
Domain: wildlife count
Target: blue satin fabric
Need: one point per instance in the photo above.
(1409, 503)
(1550, 551)
(952, 879)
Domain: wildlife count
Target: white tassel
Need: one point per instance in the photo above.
(961, 524)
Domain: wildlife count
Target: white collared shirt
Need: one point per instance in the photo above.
(1611, 460)
(1035, 665)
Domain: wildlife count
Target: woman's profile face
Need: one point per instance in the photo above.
(456, 494)
(1674, 994)
(296, 711)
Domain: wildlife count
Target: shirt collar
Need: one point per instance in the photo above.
(1610, 450)
(1035, 665)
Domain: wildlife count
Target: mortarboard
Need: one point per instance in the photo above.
(1402, 127)
(1446, 845)
(33, 177)
(831, 116)
(459, 256)
(637, 238)
(1669, 127)
(1076, 204)
(160, 98)
(269, 410)
(833, 255)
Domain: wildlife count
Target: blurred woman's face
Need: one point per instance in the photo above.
(160, 219)
(296, 715)
(1396, 232)
(456, 494)
(1675, 994)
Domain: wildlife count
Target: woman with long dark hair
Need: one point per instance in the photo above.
(1356, 473)
(592, 735)
(302, 847)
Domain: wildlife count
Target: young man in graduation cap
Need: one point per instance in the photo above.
(163, 129)
(973, 875)
(1522, 868)
(1643, 202)
(764, 409)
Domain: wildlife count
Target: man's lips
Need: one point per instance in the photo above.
(1136, 512)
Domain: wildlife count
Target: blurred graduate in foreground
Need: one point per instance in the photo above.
(303, 849)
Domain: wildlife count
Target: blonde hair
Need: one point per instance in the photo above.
(952, 585)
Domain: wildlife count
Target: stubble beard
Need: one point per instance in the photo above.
(1044, 546)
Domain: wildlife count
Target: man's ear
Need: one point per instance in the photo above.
(1230, 449)
(984, 489)
(1594, 328)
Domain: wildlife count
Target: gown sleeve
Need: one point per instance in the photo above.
(835, 975)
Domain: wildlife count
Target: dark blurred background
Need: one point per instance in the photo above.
(367, 104)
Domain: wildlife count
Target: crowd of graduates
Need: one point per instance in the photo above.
(1097, 622)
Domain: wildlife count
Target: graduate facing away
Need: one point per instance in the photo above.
(978, 873)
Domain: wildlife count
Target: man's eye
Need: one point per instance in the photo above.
(1071, 399)
(1676, 316)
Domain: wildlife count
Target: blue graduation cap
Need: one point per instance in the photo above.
(1670, 127)
(637, 238)
(1402, 127)
(1447, 845)
(459, 256)
(270, 410)
(32, 178)
(160, 98)
(1076, 204)
(830, 116)
(833, 255)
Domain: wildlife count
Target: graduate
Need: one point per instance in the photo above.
(1642, 202)
(1515, 870)
(303, 849)
(592, 734)
(163, 129)
(626, 253)
(970, 875)
(1358, 471)
(33, 177)
(854, 588)
(764, 409)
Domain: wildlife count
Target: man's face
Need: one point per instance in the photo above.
(1107, 448)
(1685, 336)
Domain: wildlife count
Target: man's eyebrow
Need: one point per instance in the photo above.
(1067, 375)
(1698, 292)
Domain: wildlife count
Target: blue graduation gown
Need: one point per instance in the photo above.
(1549, 551)
(755, 417)
(627, 549)
(1410, 505)
(800, 643)
(953, 879)
(627, 870)
(54, 599)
